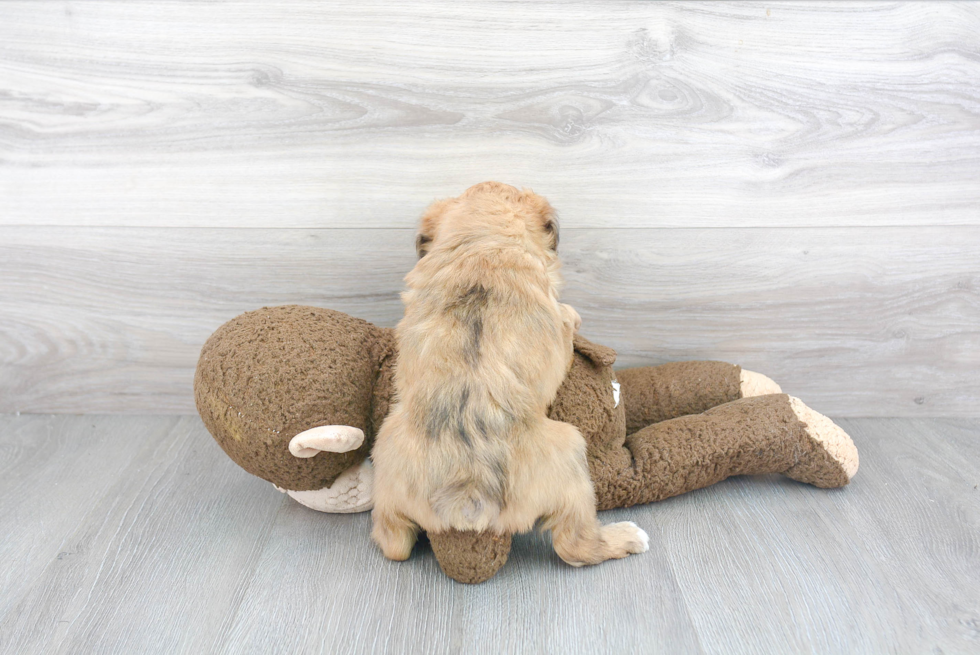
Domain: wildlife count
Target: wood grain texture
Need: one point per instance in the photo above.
(886, 564)
(48, 488)
(857, 322)
(539, 606)
(790, 186)
(358, 114)
(164, 546)
(154, 564)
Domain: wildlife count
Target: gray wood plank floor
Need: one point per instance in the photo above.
(136, 534)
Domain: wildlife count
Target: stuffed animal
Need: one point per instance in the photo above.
(295, 395)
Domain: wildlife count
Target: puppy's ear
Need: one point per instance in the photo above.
(422, 242)
(551, 229)
(546, 214)
(428, 225)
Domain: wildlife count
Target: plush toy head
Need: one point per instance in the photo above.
(268, 375)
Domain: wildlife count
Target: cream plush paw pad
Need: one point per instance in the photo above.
(829, 435)
(756, 384)
(350, 493)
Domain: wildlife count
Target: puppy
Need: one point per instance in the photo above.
(483, 348)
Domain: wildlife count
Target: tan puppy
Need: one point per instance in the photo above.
(483, 347)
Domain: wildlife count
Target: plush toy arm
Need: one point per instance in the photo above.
(352, 490)
(659, 393)
(751, 436)
(470, 557)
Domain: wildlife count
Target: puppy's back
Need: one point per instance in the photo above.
(481, 358)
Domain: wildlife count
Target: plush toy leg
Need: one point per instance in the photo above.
(658, 393)
(750, 436)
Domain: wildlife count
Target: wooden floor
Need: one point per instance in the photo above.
(137, 535)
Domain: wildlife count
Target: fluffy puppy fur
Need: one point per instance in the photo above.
(483, 348)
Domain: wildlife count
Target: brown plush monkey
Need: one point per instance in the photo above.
(295, 394)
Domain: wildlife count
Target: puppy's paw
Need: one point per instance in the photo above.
(625, 538)
(395, 537)
(570, 316)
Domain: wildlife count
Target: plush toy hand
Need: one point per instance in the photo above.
(350, 493)
(326, 439)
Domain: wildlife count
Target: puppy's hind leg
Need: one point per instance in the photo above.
(577, 535)
(394, 534)
(394, 530)
(582, 540)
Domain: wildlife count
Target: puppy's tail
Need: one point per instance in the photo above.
(467, 505)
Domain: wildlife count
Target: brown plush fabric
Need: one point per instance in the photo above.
(470, 557)
(598, 355)
(585, 398)
(751, 436)
(659, 393)
(268, 375)
(384, 384)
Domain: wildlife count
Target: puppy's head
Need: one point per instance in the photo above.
(490, 212)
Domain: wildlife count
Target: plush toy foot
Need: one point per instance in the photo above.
(833, 460)
(350, 493)
(470, 557)
(756, 384)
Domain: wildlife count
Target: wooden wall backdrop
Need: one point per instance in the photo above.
(790, 186)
